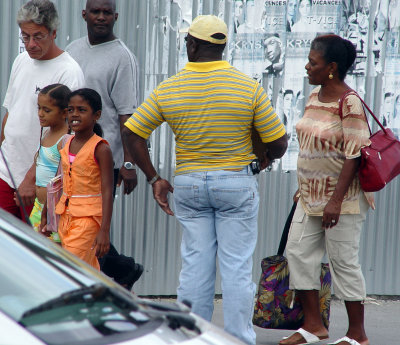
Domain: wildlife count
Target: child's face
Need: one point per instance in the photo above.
(80, 114)
(49, 113)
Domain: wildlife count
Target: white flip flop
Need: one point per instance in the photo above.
(309, 337)
(346, 339)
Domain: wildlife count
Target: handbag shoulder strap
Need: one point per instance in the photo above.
(285, 233)
(351, 91)
(63, 142)
(342, 98)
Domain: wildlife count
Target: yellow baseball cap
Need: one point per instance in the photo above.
(204, 26)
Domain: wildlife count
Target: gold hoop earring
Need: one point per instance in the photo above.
(330, 76)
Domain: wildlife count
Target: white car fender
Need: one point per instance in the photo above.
(14, 334)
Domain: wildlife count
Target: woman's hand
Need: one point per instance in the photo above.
(332, 209)
(331, 214)
(296, 196)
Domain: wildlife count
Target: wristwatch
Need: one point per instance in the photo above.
(129, 166)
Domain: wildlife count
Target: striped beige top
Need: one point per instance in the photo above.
(326, 141)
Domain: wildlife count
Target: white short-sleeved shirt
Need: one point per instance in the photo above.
(22, 129)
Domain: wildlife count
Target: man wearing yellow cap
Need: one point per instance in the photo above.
(211, 108)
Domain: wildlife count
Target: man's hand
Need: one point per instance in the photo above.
(27, 192)
(27, 188)
(265, 162)
(137, 147)
(160, 192)
(129, 177)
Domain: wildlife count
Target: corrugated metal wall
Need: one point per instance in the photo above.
(140, 228)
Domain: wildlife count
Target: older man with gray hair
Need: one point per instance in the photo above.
(42, 64)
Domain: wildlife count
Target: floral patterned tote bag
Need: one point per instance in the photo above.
(277, 306)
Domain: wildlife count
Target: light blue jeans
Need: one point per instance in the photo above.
(218, 213)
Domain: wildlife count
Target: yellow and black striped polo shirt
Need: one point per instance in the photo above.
(211, 107)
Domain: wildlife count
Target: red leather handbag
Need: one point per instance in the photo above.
(380, 161)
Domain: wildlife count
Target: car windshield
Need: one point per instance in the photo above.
(59, 299)
(88, 314)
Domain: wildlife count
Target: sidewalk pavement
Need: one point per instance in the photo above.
(382, 323)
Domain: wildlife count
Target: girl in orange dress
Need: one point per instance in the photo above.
(85, 208)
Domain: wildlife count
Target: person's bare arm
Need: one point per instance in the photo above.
(27, 188)
(332, 209)
(3, 125)
(137, 147)
(128, 176)
(104, 157)
(274, 150)
(277, 148)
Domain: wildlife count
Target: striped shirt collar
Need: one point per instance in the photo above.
(207, 66)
